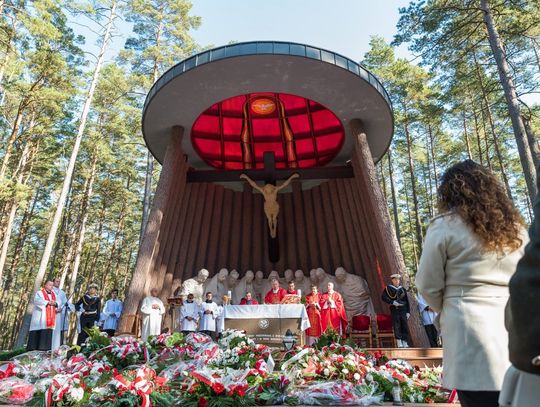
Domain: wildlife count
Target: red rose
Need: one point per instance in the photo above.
(218, 387)
(202, 402)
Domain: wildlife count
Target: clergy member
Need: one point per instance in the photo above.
(61, 314)
(208, 312)
(248, 299)
(43, 319)
(111, 313)
(189, 315)
(333, 314)
(395, 295)
(313, 308)
(220, 319)
(276, 293)
(89, 309)
(291, 288)
(152, 309)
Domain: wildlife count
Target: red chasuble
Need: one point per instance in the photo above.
(334, 318)
(50, 310)
(275, 298)
(314, 315)
(253, 301)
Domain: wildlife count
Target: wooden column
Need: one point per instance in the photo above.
(174, 157)
(384, 236)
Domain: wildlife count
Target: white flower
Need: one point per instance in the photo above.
(326, 372)
(369, 377)
(76, 394)
(345, 371)
(356, 376)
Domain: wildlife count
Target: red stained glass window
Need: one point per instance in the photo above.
(235, 133)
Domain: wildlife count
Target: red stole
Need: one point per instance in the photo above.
(50, 310)
(314, 315)
(333, 318)
(275, 298)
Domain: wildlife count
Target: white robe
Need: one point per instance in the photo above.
(111, 314)
(39, 313)
(189, 310)
(151, 324)
(61, 315)
(220, 319)
(208, 321)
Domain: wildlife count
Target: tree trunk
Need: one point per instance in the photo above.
(511, 100)
(466, 136)
(478, 142)
(394, 199)
(11, 141)
(147, 193)
(533, 143)
(69, 174)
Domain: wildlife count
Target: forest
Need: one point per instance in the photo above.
(76, 179)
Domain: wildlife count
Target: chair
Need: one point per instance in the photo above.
(385, 330)
(361, 331)
(134, 321)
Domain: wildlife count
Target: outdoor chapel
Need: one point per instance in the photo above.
(319, 231)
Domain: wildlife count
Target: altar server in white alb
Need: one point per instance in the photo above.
(208, 312)
(152, 309)
(220, 316)
(111, 313)
(61, 314)
(189, 315)
(43, 319)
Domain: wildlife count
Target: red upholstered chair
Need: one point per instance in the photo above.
(385, 330)
(361, 331)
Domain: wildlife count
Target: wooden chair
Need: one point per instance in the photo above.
(134, 321)
(385, 330)
(361, 331)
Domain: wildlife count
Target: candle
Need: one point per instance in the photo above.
(300, 293)
(229, 294)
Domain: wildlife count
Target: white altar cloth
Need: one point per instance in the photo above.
(279, 311)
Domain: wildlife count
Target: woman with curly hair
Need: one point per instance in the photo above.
(470, 252)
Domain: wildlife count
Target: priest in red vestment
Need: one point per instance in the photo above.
(291, 288)
(314, 314)
(333, 314)
(249, 300)
(276, 293)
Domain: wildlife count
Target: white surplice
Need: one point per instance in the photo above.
(111, 314)
(151, 323)
(39, 313)
(189, 309)
(61, 314)
(208, 321)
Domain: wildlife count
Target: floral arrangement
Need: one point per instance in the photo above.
(192, 370)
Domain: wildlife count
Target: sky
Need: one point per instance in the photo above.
(343, 26)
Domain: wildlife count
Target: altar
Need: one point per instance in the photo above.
(267, 324)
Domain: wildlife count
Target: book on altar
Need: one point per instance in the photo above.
(291, 299)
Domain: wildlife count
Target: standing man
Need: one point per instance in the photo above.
(89, 308)
(276, 293)
(249, 300)
(152, 309)
(395, 295)
(428, 318)
(43, 319)
(220, 320)
(111, 313)
(313, 308)
(208, 312)
(189, 315)
(333, 315)
(61, 313)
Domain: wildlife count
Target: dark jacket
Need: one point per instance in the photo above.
(523, 309)
(391, 294)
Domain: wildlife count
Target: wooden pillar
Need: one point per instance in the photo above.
(384, 236)
(174, 157)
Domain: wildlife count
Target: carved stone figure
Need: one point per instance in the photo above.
(218, 285)
(195, 286)
(259, 286)
(301, 282)
(323, 278)
(271, 206)
(287, 276)
(355, 292)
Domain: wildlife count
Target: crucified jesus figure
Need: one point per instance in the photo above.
(271, 206)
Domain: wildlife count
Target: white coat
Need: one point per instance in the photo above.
(61, 315)
(208, 321)
(189, 310)
(468, 287)
(111, 314)
(151, 323)
(428, 317)
(39, 314)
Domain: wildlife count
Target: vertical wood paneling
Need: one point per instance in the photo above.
(236, 229)
(322, 233)
(246, 248)
(225, 235)
(314, 257)
(215, 227)
(257, 235)
(300, 226)
(204, 234)
(288, 220)
(333, 247)
(342, 237)
(195, 230)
